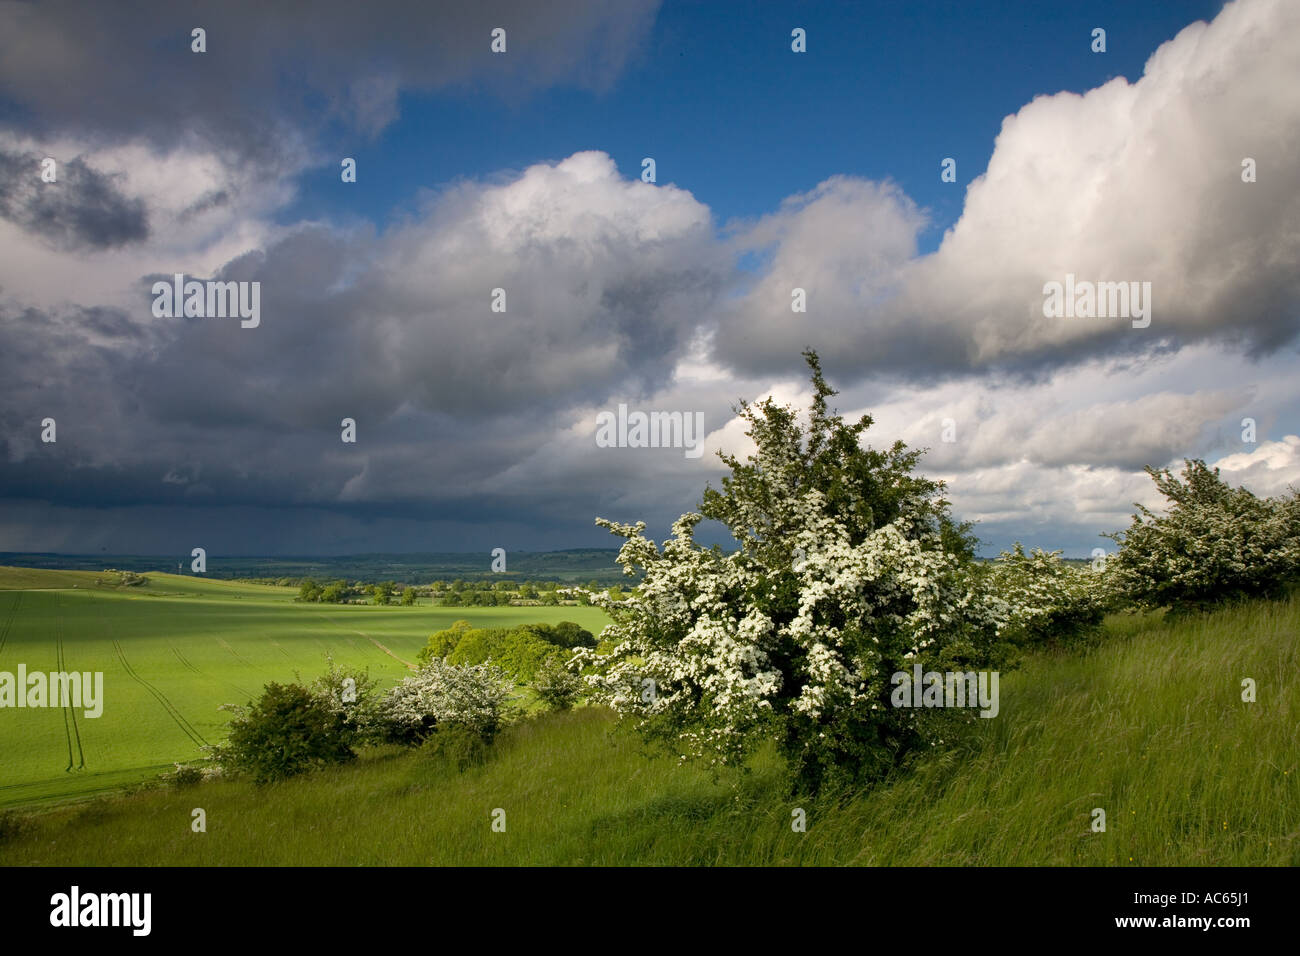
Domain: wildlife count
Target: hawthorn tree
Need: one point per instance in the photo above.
(1049, 601)
(1214, 543)
(848, 569)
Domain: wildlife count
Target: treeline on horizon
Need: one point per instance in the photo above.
(455, 593)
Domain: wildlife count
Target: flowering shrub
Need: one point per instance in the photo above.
(557, 688)
(1047, 599)
(185, 775)
(474, 695)
(352, 695)
(848, 570)
(1214, 543)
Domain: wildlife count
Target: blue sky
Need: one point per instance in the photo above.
(886, 91)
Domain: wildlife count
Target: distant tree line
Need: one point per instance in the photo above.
(341, 592)
(455, 593)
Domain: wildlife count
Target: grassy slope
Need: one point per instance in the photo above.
(1150, 727)
(193, 644)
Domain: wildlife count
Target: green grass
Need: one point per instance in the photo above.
(12, 579)
(172, 652)
(1149, 726)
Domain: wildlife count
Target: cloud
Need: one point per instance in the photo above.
(275, 72)
(617, 291)
(1047, 424)
(1128, 182)
(1270, 470)
(81, 209)
(604, 279)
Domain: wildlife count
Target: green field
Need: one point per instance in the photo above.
(172, 652)
(1149, 725)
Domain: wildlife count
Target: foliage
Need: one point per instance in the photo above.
(1048, 600)
(1214, 543)
(286, 731)
(353, 695)
(122, 579)
(441, 643)
(475, 695)
(557, 687)
(341, 592)
(520, 651)
(566, 634)
(459, 745)
(185, 775)
(849, 570)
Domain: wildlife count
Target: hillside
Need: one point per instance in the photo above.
(1149, 725)
(172, 651)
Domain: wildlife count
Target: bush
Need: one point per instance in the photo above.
(14, 825)
(557, 687)
(287, 731)
(849, 570)
(478, 696)
(441, 643)
(519, 651)
(185, 776)
(1048, 600)
(336, 592)
(456, 744)
(352, 695)
(1214, 544)
(566, 634)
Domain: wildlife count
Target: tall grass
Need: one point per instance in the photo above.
(1149, 726)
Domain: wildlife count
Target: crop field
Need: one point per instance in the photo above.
(172, 652)
(1150, 725)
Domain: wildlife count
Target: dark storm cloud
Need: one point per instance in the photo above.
(449, 396)
(81, 209)
(125, 69)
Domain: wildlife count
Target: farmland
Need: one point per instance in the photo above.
(1149, 725)
(172, 652)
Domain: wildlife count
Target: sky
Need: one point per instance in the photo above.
(1170, 160)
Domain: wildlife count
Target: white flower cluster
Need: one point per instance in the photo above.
(726, 641)
(1045, 597)
(477, 695)
(1214, 543)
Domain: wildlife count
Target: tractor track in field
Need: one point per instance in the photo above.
(9, 620)
(186, 663)
(70, 729)
(158, 695)
(235, 654)
(407, 664)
